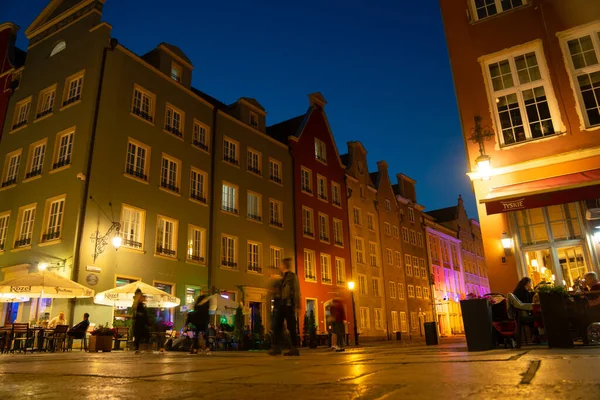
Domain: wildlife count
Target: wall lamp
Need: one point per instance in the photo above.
(507, 243)
(483, 162)
(101, 241)
(597, 234)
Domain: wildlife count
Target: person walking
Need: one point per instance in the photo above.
(289, 304)
(338, 316)
(199, 319)
(140, 320)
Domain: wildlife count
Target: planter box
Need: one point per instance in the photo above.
(100, 343)
(477, 320)
(556, 320)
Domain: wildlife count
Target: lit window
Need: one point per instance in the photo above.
(229, 198)
(320, 151)
(73, 87)
(488, 8)
(200, 136)
(132, 227)
(322, 187)
(24, 230)
(254, 206)
(21, 113)
(230, 151)
(198, 185)
(254, 257)
(275, 213)
(324, 227)
(395, 323)
(254, 162)
(309, 265)
(174, 121)
(46, 101)
(307, 222)
(360, 250)
(63, 150)
(170, 173)
(335, 194)
(58, 47)
(338, 232)
(411, 291)
(378, 312)
(340, 271)
(326, 268)
(4, 220)
(275, 171)
(137, 161)
(229, 251)
(418, 292)
(176, 72)
(53, 218)
(11, 168)
(166, 236)
(143, 103)
(306, 180)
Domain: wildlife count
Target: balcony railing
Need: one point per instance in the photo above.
(340, 282)
(321, 158)
(138, 174)
(71, 100)
(195, 258)
(336, 203)
(22, 242)
(254, 268)
(229, 209)
(373, 263)
(165, 251)
(308, 232)
(231, 160)
(169, 186)
(142, 114)
(174, 131)
(1, 246)
(307, 189)
(325, 238)
(275, 179)
(276, 222)
(46, 237)
(255, 217)
(19, 124)
(9, 182)
(33, 172)
(132, 244)
(339, 242)
(325, 280)
(44, 113)
(322, 196)
(254, 170)
(61, 163)
(228, 264)
(200, 145)
(199, 197)
(310, 277)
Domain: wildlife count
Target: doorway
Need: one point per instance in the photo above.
(256, 320)
(12, 312)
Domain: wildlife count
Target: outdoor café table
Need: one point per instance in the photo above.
(579, 314)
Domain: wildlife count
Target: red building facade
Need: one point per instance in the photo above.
(10, 59)
(322, 242)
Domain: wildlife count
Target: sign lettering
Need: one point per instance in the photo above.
(20, 289)
(513, 205)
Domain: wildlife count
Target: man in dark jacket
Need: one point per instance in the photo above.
(79, 330)
(289, 295)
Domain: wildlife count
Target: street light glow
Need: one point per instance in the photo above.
(116, 242)
(351, 285)
(42, 266)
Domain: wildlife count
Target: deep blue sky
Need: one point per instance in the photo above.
(382, 65)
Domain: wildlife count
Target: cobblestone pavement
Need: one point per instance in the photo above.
(383, 371)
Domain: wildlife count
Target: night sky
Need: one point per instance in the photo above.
(381, 65)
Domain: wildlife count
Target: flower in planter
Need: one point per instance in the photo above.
(101, 330)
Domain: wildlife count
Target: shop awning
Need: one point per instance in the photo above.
(568, 188)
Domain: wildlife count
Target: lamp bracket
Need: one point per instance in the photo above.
(480, 135)
(100, 241)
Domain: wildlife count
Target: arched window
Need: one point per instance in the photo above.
(60, 46)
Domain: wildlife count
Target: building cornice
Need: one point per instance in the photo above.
(251, 129)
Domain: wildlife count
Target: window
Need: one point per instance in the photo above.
(306, 180)
(196, 244)
(230, 151)
(132, 227)
(166, 237)
(324, 227)
(320, 151)
(307, 221)
(408, 264)
(336, 198)
(362, 284)
(375, 286)
(198, 185)
(411, 215)
(403, 322)
(525, 107)
(418, 292)
(357, 216)
(370, 223)
(413, 237)
(53, 218)
(411, 291)
(35, 162)
(338, 232)
(487, 8)
(254, 162)
(169, 173)
(425, 292)
(373, 254)
(73, 87)
(143, 103)
(175, 72)
(360, 250)
(387, 228)
(398, 259)
(396, 232)
(420, 241)
(389, 256)
(326, 268)
(365, 323)
(253, 120)
(392, 286)
(254, 206)
(388, 205)
(229, 198)
(60, 46)
(378, 318)
(200, 135)
(322, 187)
(584, 65)
(137, 160)
(415, 264)
(405, 234)
(362, 192)
(400, 291)
(21, 113)
(174, 121)
(229, 251)
(275, 213)
(275, 257)
(4, 220)
(309, 265)
(254, 256)
(24, 230)
(11, 168)
(340, 270)
(46, 101)
(275, 171)
(395, 322)
(414, 321)
(63, 150)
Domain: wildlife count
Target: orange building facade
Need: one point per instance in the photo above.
(528, 91)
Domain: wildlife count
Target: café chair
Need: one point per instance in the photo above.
(57, 338)
(520, 312)
(83, 341)
(22, 335)
(122, 336)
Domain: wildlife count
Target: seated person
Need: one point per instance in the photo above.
(79, 330)
(593, 312)
(58, 320)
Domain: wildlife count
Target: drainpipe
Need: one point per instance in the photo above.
(212, 211)
(83, 207)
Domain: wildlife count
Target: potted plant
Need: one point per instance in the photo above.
(553, 302)
(101, 338)
(305, 325)
(313, 341)
(477, 321)
(238, 326)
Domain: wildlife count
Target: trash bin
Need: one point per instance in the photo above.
(398, 336)
(431, 336)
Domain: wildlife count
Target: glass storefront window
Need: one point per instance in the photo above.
(572, 263)
(539, 266)
(532, 227)
(564, 222)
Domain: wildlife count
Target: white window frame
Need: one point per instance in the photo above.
(133, 227)
(310, 266)
(144, 105)
(373, 256)
(387, 228)
(54, 215)
(336, 194)
(411, 215)
(403, 322)
(357, 216)
(375, 286)
(24, 227)
(275, 257)
(36, 158)
(169, 183)
(275, 171)
(326, 271)
(198, 185)
(338, 232)
(499, 9)
(4, 221)
(322, 188)
(411, 291)
(363, 288)
(275, 213)
(229, 251)
(231, 204)
(392, 289)
(308, 215)
(390, 256)
(340, 271)
(370, 221)
(176, 72)
(378, 317)
(164, 247)
(306, 181)
(320, 151)
(395, 322)
(174, 121)
(401, 291)
(359, 250)
(365, 322)
(324, 235)
(254, 161)
(140, 167)
(418, 292)
(256, 213)
(254, 257)
(200, 135)
(405, 235)
(398, 257)
(395, 232)
(63, 153)
(196, 246)
(12, 164)
(231, 151)
(46, 102)
(72, 95)
(253, 119)
(21, 115)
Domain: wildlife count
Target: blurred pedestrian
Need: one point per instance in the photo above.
(289, 293)
(141, 332)
(338, 317)
(199, 320)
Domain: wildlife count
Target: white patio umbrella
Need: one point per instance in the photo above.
(6, 298)
(43, 284)
(122, 296)
(223, 306)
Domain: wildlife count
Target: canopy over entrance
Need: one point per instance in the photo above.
(122, 296)
(544, 192)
